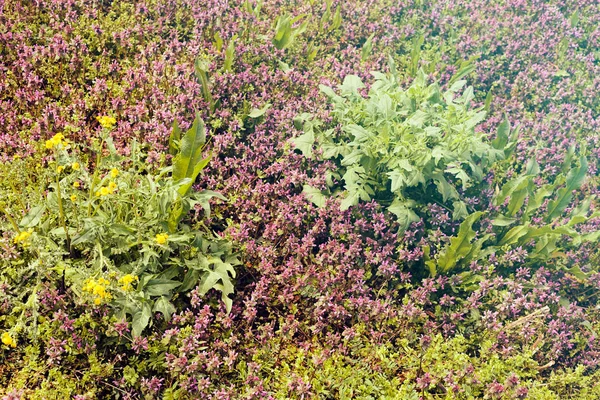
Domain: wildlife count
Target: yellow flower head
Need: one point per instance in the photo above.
(58, 139)
(104, 191)
(114, 173)
(76, 184)
(8, 340)
(73, 198)
(112, 187)
(98, 289)
(106, 122)
(126, 281)
(60, 169)
(23, 237)
(161, 238)
(75, 166)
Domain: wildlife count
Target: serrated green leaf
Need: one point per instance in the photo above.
(314, 195)
(304, 143)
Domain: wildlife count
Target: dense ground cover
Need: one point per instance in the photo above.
(464, 267)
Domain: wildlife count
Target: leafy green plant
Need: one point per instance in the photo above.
(521, 200)
(119, 235)
(402, 147)
(285, 33)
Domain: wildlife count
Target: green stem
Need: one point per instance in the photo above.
(11, 220)
(61, 213)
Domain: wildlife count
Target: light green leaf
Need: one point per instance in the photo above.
(160, 287)
(257, 113)
(33, 217)
(164, 306)
(314, 195)
(460, 245)
(304, 143)
(575, 179)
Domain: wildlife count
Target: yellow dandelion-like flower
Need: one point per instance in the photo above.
(161, 238)
(104, 191)
(106, 122)
(23, 237)
(60, 169)
(76, 184)
(57, 139)
(75, 166)
(114, 173)
(8, 340)
(126, 281)
(73, 198)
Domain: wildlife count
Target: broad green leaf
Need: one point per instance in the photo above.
(220, 279)
(351, 85)
(314, 195)
(460, 245)
(160, 287)
(502, 134)
(33, 217)
(174, 139)
(164, 306)
(404, 213)
(190, 152)
(367, 48)
(259, 112)
(514, 234)
(305, 142)
(574, 180)
(141, 320)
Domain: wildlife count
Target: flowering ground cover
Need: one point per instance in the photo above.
(294, 200)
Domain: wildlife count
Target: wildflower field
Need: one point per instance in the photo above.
(266, 199)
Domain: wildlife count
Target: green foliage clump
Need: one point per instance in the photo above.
(518, 203)
(118, 235)
(401, 147)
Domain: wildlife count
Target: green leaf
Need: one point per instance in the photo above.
(33, 217)
(305, 142)
(190, 152)
(229, 54)
(164, 306)
(259, 112)
(160, 287)
(351, 85)
(502, 134)
(220, 278)
(574, 180)
(460, 245)
(404, 213)
(367, 48)
(514, 234)
(314, 195)
(141, 320)
(174, 139)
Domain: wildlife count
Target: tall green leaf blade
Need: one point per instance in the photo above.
(574, 180)
(460, 245)
(190, 153)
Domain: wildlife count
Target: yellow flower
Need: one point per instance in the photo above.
(161, 238)
(73, 198)
(112, 187)
(57, 139)
(76, 184)
(104, 191)
(98, 289)
(23, 237)
(60, 169)
(114, 172)
(126, 281)
(8, 340)
(75, 166)
(106, 122)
